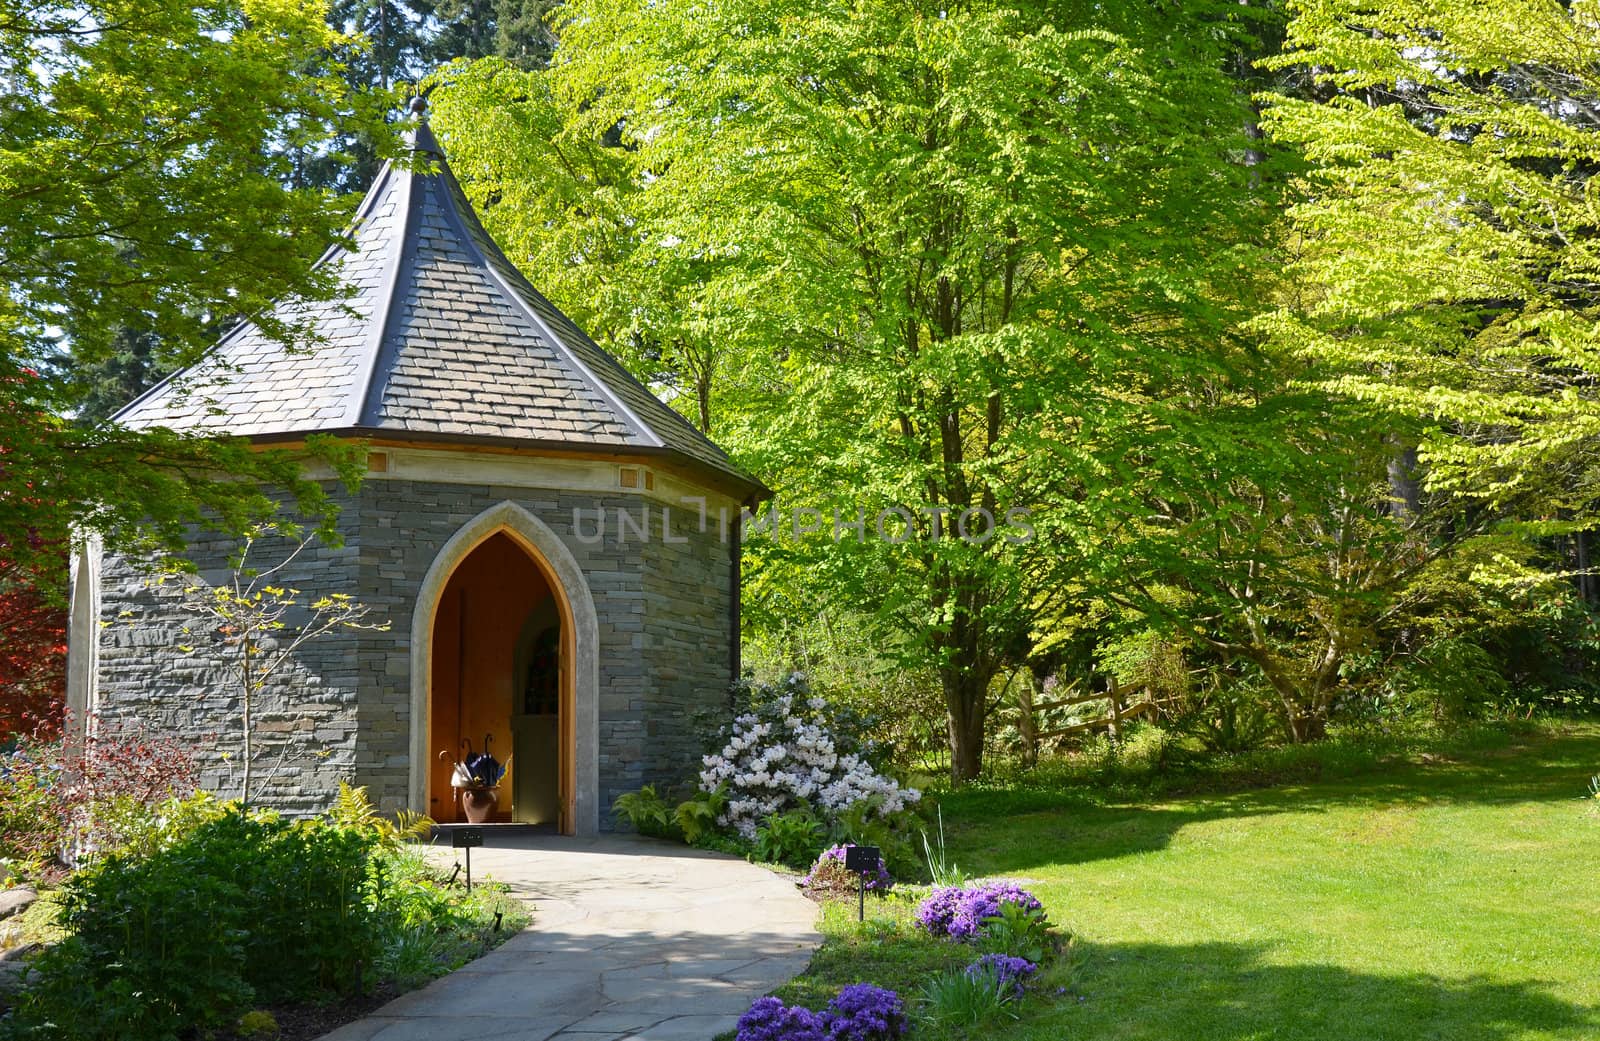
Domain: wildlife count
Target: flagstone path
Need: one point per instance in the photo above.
(632, 940)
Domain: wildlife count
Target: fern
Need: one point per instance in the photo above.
(645, 810)
(698, 816)
(352, 809)
(788, 838)
(411, 826)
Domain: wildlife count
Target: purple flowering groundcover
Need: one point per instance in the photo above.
(771, 1020)
(861, 1012)
(959, 911)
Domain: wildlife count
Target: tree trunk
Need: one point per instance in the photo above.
(1405, 483)
(702, 393)
(1306, 726)
(965, 694)
(1588, 589)
(1299, 719)
(249, 755)
(248, 672)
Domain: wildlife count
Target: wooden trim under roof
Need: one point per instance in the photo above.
(661, 460)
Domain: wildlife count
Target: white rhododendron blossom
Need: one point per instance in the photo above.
(785, 753)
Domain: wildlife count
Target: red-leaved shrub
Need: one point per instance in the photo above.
(33, 656)
(59, 803)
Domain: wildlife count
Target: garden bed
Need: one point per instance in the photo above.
(233, 924)
(943, 987)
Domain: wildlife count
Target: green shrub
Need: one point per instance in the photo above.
(648, 812)
(1017, 931)
(427, 927)
(1454, 679)
(697, 817)
(1230, 717)
(257, 1024)
(865, 824)
(789, 838)
(103, 797)
(898, 709)
(243, 908)
(32, 832)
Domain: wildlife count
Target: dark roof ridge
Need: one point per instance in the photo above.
(370, 365)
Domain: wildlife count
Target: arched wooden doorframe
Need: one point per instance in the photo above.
(580, 639)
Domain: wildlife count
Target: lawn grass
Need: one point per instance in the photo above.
(1434, 897)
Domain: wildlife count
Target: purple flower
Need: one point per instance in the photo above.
(938, 909)
(863, 1012)
(960, 911)
(828, 872)
(1009, 972)
(771, 1020)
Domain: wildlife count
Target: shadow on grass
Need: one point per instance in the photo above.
(1231, 992)
(1006, 829)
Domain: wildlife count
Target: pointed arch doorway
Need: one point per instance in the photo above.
(503, 655)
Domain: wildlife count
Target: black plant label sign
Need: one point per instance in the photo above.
(862, 860)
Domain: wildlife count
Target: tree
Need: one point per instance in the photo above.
(515, 30)
(1258, 534)
(383, 48)
(934, 241)
(263, 626)
(391, 45)
(1448, 263)
(143, 186)
(33, 653)
(552, 193)
(128, 369)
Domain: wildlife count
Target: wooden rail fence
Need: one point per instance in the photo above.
(1123, 708)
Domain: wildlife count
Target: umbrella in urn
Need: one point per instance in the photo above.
(476, 778)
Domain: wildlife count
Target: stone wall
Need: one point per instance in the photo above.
(165, 670)
(664, 619)
(686, 645)
(658, 660)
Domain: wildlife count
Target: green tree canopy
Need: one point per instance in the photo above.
(516, 30)
(1448, 264)
(142, 185)
(939, 253)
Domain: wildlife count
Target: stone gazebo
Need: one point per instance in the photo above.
(555, 549)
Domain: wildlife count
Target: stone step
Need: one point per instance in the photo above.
(14, 901)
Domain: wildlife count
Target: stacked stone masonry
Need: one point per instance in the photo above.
(344, 708)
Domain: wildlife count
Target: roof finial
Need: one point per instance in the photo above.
(419, 108)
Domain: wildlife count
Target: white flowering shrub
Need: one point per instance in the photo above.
(786, 750)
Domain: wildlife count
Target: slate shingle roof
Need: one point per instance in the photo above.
(440, 337)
